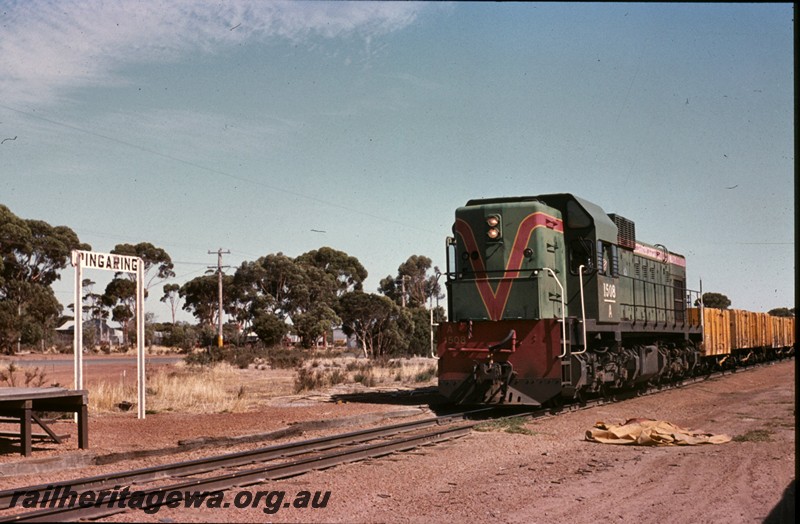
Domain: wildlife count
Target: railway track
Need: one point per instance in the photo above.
(303, 456)
(245, 468)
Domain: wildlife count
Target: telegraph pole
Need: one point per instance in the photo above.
(219, 253)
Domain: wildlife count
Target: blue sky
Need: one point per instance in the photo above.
(247, 126)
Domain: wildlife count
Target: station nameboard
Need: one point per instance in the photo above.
(110, 262)
(107, 261)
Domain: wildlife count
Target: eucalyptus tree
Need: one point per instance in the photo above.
(172, 295)
(716, 301)
(260, 295)
(276, 291)
(158, 264)
(93, 302)
(32, 255)
(120, 295)
(413, 285)
(380, 326)
(781, 312)
(120, 298)
(201, 297)
(327, 275)
(346, 270)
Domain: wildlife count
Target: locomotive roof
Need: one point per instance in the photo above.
(605, 229)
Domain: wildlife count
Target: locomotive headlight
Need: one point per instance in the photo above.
(495, 228)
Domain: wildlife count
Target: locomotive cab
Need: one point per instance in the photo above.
(502, 254)
(593, 254)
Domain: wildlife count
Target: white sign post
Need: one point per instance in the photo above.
(116, 263)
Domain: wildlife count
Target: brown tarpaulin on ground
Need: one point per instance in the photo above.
(646, 432)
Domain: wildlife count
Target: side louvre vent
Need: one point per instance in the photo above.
(626, 231)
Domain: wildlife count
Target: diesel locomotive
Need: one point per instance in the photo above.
(550, 298)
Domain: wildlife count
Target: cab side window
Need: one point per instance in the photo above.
(607, 259)
(581, 252)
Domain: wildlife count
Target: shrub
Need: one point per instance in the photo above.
(308, 379)
(338, 377)
(426, 374)
(756, 435)
(242, 357)
(365, 378)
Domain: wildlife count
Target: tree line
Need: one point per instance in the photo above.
(273, 296)
(308, 295)
(721, 301)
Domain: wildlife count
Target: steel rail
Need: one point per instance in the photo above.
(248, 477)
(241, 458)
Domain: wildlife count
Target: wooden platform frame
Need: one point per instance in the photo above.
(21, 403)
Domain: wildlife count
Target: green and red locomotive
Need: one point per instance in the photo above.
(549, 297)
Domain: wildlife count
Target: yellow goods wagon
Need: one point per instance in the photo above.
(725, 330)
(763, 330)
(742, 329)
(716, 330)
(777, 332)
(791, 331)
(782, 332)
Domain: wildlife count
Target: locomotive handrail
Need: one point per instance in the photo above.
(472, 278)
(563, 309)
(489, 274)
(702, 313)
(583, 313)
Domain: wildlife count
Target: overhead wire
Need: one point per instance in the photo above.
(212, 170)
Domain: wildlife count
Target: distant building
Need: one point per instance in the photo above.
(103, 333)
(340, 339)
(291, 340)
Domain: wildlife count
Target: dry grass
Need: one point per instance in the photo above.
(151, 350)
(226, 388)
(756, 435)
(507, 424)
(12, 375)
(209, 390)
(321, 373)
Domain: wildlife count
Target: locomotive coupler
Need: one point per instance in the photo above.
(492, 375)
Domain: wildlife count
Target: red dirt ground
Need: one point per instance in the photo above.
(553, 475)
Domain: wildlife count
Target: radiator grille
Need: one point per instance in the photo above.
(626, 231)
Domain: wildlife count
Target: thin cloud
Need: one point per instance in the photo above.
(49, 47)
(415, 81)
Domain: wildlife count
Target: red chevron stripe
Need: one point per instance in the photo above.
(495, 300)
